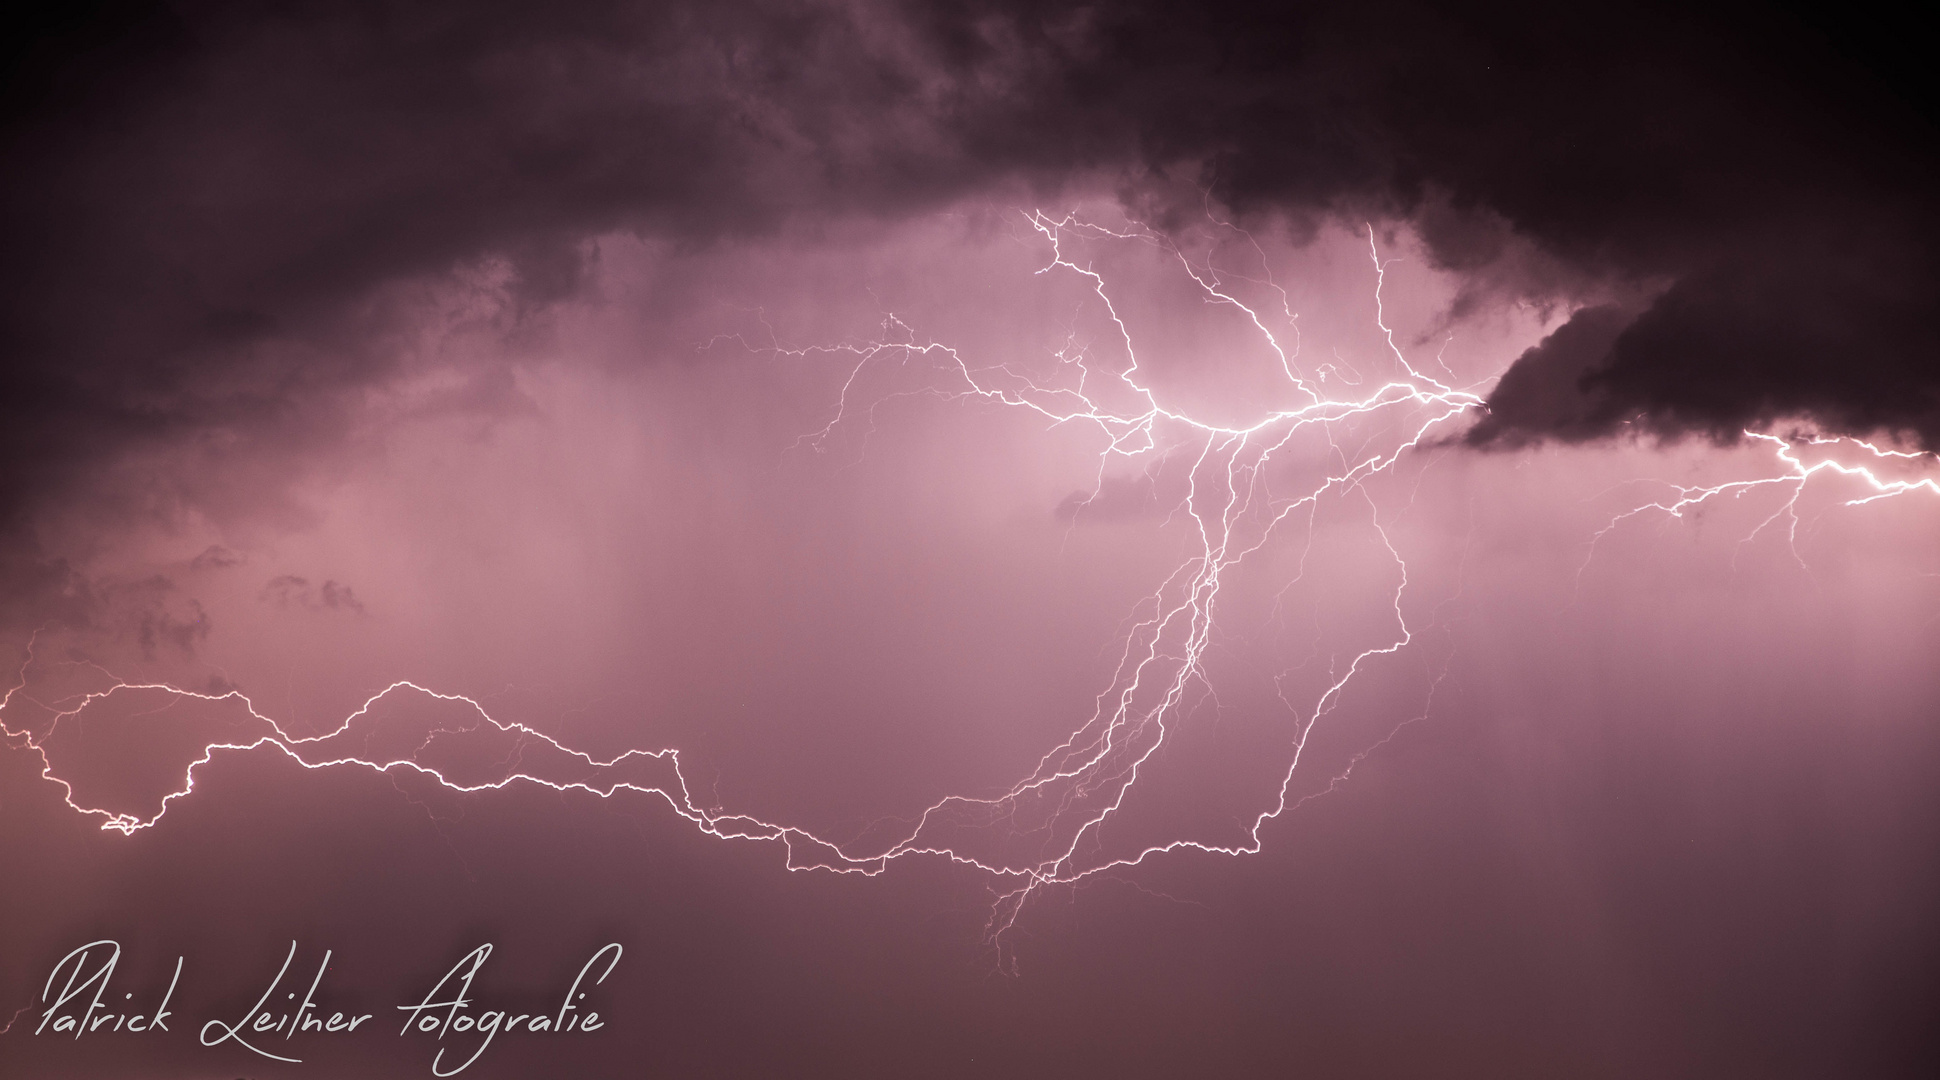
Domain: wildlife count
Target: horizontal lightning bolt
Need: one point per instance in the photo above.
(1081, 783)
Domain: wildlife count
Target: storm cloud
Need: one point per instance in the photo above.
(547, 327)
(200, 195)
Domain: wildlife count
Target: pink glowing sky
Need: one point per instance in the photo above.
(1596, 739)
(644, 521)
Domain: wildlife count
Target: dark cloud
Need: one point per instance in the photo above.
(201, 197)
(289, 590)
(1841, 337)
(36, 589)
(101, 617)
(155, 618)
(1845, 337)
(1547, 391)
(215, 557)
(1758, 169)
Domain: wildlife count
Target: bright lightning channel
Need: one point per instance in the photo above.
(1081, 783)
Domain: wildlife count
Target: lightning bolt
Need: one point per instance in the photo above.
(1048, 828)
(1793, 475)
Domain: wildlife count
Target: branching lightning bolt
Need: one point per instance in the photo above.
(1051, 822)
(1794, 474)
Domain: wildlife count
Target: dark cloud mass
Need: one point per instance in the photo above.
(200, 197)
(291, 590)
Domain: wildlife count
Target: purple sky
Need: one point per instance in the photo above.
(1325, 544)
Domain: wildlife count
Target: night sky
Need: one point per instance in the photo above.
(969, 539)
